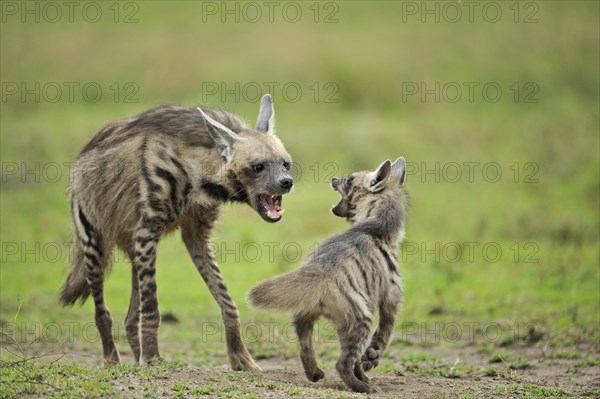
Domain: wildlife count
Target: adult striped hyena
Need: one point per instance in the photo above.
(349, 276)
(144, 176)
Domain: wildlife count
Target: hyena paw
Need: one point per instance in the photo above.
(361, 387)
(151, 361)
(243, 362)
(370, 359)
(315, 376)
(112, 358)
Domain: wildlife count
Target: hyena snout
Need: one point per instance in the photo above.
(342, 208)
(286, 183)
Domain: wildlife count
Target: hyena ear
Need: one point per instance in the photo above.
(399, 170)
(266, 115)
(221, 135)
(380, 177)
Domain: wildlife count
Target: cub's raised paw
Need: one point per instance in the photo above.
(370, 359)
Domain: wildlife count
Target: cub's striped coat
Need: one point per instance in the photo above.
(350, 277)
(142, 177)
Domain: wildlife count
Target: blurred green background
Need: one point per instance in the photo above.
(354, 83)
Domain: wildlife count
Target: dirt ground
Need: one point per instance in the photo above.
(517, 370)
(543, 377)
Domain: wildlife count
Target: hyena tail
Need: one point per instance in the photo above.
(298, 291)
(76, 287)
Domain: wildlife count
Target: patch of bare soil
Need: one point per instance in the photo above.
(536, 374)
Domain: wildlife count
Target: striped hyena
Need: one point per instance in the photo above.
(144, 176)
(350, 276)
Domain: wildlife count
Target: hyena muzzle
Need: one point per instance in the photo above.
(140, 178)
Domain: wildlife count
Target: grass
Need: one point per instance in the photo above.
(532, 391)
(64, 380)
(34, 378)
(491, 264)
(512, 362)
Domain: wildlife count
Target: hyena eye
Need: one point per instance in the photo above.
(258, 167)
(286, 165)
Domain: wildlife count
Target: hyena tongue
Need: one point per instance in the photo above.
(272, 210)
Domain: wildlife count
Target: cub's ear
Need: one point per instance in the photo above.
(266, 115)
(380, 177)
(399, 170)
(221, 135)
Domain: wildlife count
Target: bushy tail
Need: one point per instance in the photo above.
(76, 285)
(298, 291)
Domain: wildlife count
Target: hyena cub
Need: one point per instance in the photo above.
(350, 276)
(142, 177)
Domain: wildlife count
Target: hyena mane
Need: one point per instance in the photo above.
(142, 177)
(350, 276)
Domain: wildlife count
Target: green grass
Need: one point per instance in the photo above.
(64, 380)
(544, 285)
(532, 391)
(512, 362)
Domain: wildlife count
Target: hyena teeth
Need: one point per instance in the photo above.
(272, 214)
(271, 204)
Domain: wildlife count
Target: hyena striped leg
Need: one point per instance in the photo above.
(381, 337)
(353, 342)
(145, 264)
(95, 258)
(132, 320)
(304, 328)
(195, 237)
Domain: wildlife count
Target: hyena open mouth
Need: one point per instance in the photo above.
(269, 207)
(339, 185)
